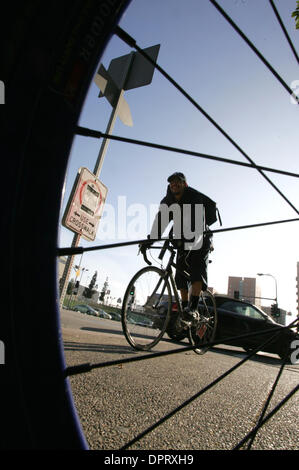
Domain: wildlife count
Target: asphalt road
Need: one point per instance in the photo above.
(116, 403)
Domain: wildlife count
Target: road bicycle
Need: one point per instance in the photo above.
(147, 310)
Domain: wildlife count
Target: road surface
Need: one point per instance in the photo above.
(118, 402)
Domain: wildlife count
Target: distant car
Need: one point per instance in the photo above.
(101, 313)
(115, 316)
(85, 309)
(235, 318)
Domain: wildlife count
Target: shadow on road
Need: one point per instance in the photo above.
(93, 347)
(102, 330)
(260, 357)
(116, 332)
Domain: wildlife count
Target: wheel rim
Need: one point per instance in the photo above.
(144, 313)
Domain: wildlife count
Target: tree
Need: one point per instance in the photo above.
(70, 287)
(90, 290)
(295, 15)
(104, 290)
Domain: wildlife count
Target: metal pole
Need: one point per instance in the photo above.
(77, 275)
(67, 270)
(97, 170)
(271, 275)
(105, 143)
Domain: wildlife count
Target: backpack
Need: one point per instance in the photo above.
(211, 210)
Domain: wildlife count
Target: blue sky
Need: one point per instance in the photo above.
(202, 52)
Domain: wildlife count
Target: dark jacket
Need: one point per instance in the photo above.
(191, 197)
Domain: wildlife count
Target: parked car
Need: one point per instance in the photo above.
(115, 316)
(85, 309)
(101, 313)
(235, 318)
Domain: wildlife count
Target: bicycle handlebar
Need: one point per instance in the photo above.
(142, 249)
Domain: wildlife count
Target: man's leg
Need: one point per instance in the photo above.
(184, 297)
(195, 293)
(196, 288)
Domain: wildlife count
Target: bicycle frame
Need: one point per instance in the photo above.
(168, 271)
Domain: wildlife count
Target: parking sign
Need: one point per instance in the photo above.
(85, 206)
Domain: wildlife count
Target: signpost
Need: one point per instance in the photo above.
(85, 205)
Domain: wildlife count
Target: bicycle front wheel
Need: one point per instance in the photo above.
(203, 331)
(146, 308)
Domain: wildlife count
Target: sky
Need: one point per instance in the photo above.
(203, 53)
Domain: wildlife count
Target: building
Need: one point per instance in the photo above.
(244, 288)
(297, 287)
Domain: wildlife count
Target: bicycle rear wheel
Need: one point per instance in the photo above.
(204, 329)
(146, 308)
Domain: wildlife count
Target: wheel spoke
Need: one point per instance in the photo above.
(144, 316)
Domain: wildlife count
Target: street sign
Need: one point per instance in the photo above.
(124, 73)
(113, 94)
(85, 206)
(133, 70)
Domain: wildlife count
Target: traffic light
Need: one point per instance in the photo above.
(275, 311)
(236, 294)
(132, 290)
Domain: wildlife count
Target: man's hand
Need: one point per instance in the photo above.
(145, 245)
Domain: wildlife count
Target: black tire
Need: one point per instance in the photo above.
(204, 331)
(43, 101)
(143, 321)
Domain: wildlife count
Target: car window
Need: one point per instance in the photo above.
(242, 309)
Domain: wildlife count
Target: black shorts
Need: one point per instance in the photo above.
(195, 262)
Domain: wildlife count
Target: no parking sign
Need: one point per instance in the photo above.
(85, 206)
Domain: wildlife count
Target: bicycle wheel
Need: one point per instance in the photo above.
(204, 329)
(48, 65)
(146, 308)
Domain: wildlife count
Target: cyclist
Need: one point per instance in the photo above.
(187, 208)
